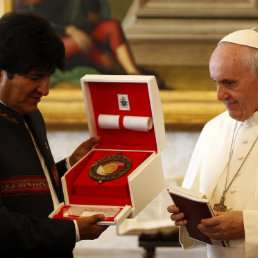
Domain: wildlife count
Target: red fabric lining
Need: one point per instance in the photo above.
(105, 101)
(84, 190)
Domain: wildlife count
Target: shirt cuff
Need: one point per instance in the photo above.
(77, 234)
(67, 163)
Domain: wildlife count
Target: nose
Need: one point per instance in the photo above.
(221, 92)
(43, 86)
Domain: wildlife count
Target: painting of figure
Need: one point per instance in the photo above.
(94, 42)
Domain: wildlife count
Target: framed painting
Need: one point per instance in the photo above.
(188, 101)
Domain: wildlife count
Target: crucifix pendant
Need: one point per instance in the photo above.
(221, 207)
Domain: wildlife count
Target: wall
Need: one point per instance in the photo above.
(175, 38)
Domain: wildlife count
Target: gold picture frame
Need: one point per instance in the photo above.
(183, 110)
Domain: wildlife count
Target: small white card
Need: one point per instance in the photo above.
(91, 210)
(123, 102)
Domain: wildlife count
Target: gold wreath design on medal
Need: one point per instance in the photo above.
(110, 167)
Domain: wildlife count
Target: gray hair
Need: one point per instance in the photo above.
(250, 59)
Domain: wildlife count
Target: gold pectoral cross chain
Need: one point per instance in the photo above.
(221, 207)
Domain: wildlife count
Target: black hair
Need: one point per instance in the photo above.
(29, 43)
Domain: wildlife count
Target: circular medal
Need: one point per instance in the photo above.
(110, 168)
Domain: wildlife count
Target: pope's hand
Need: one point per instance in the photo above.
(224, 226)
(177, 216)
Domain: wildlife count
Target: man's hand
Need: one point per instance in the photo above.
(177, 216)
(82, 150)
(88, 228)
(224, 226)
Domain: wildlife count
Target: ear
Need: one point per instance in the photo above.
(2, 73)
(1, 82)
(3, 76)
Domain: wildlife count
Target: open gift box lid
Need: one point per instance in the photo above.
(125, 112)
(124, 96)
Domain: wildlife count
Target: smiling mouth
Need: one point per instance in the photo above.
(230, 105)
(36, 99)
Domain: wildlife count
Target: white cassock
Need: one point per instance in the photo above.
(207, 173)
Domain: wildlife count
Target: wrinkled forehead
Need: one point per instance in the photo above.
(236, 56)
(227, 59)
(228, 51)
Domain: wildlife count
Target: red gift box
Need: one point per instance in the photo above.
(125, 112)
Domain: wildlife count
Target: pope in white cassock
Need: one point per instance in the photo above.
(224, 163)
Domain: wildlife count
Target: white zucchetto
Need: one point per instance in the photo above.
(247, 37)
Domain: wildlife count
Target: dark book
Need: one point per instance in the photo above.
(196, 207)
